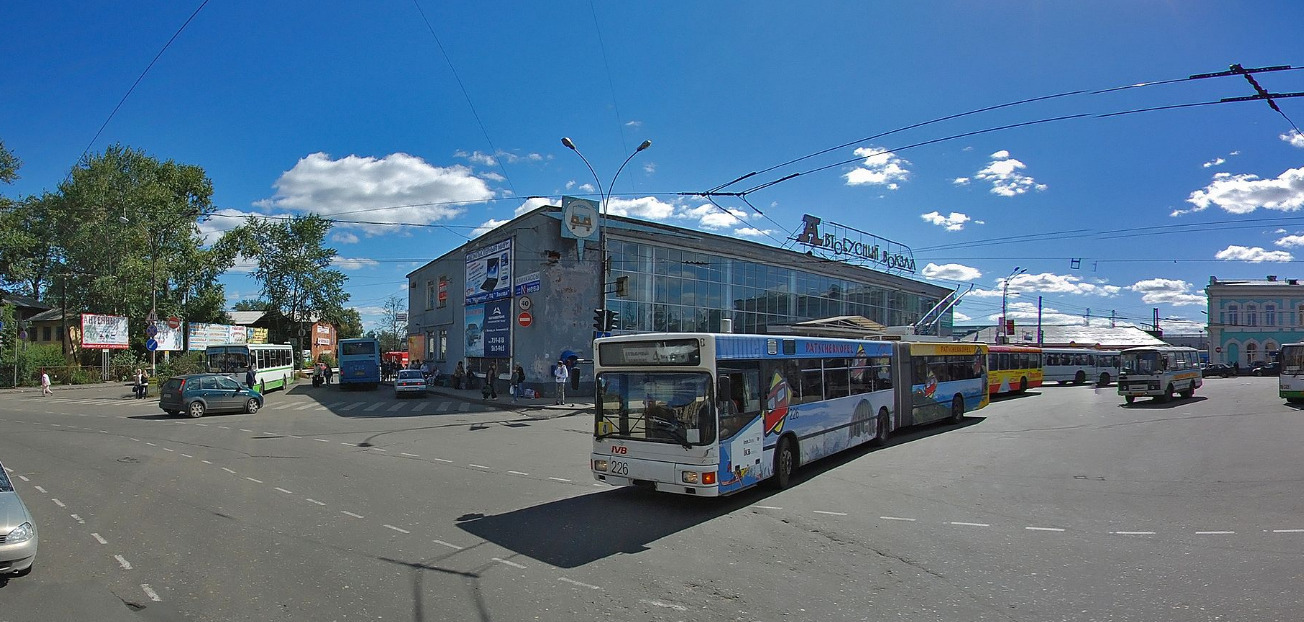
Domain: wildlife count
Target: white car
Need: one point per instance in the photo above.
(17, 531)
(409, 382)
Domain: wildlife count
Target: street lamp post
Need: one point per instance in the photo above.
(1005, 293)
(604, 197)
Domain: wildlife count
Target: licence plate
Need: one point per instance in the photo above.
(359, 373)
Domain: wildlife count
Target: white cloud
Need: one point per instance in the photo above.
(633, 124)
(416, 191)
(1025, 316)
(988, 293)
(570, 184)
(752, 232)
(1290, 241)
(370, 311)
(1051, 283)
(533, 203)
(344, 237)
(485, 159)
(712, 217)
(957, 317)
(1213, 162)
(492, 176)
(1252, 254)
(960, 181)
(244, 265)
(1242, 194)
(1172, 291)
(880, 168)
(221, 221)
(487, 226)
(1007, 181)
(647, 208)
(650, 167)
(951, 272)
(953, 222)
(1294, 137)
(347, 263)
(587, 187)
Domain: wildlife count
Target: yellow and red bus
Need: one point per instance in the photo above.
(1013, 369)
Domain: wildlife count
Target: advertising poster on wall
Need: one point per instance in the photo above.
(489, 273)
(256, 335)
(475, 330)
(200, 336)
(528, 284)
(104, 331)
(169, 338)
(498, 329)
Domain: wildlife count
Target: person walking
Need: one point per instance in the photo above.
(45, 383)
(490, 389)
(141, 384)
(458, 374)
(330, 371)
(560, 373)
(250, 376)
(518, 382)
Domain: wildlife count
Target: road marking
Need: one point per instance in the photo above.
(166, 449)
(58, 502)
(224, 427)
(1133, 533)
(512, 564)
(306, 406)
(443, 407)
(353, 405)
(970, 524)
(1273, 531)
(206, 462)
(285, 491)
(349, 444)
(442, 460)
(79, 519)
(451, 546)
(334, 404)
(478, 466)
(228, 470)
(186, 456)
(378, 449)
(416, 408)
(126, 565)
(293, 436)
(464, 407)
(244, 430)
(24, 478)
(830, 513)
(202, 425)
(256, 481)
(404, 453)
(313, 501)
(911, 520)
(659, 603)
(395, 407)
(150, 444)
(351, 514)
(574, 582)
(321, 440)
(1213, 533)
(518, 473)
(398, 529)
(374, 406)
(149, 591)
(99, 538)
(1043, 529)
(40, 490)
(104, 431)
(559, 479)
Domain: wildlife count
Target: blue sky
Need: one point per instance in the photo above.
(346, 109)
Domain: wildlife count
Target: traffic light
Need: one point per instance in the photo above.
(1009, 327)
(612, 318)
(622, 286)
(598, 320)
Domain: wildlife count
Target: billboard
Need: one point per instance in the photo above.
(475, 330)
(169, 338)
(489, 273)
(498, 328)
(103, 331)
(200, 336)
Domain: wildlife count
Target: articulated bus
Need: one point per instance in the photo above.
(273, 363)
(1078, 365)
(1159, 372)
(1290, 385)
(359, 361)
(709, 415)
(1013, 368)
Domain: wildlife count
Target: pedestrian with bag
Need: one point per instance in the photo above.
(560, 373)
(250, 377)
(489, 390)
(139, 384)
(45, 383)
(458, 374)
(518, 383)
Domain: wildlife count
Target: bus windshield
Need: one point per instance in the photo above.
(1292, 359)
(227, 360)
(1145, 362)
(358, 348)
(667, 407)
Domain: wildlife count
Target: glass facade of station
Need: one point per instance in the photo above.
(670, 289)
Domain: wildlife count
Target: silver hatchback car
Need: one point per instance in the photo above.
(17, 531)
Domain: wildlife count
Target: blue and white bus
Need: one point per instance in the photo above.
(273, 363)
(359, 361)
(709, 415)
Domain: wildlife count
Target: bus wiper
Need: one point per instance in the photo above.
(675, 428)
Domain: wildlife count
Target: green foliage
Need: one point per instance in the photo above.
(348, 323)
(180, 365)
(9, 165)
(328, 359)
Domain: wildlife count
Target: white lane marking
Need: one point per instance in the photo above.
(224, 427)
(512, 564)
(334, 404)
(56, 425)
(1288, 531)
(442, 460)
(378, 449)
(558, 479)
(313, 501)
(202, 425)
(149, 591)
(206, 462)
(464, 407)
(166, 449)
(395, 407)
(256, 481)
(244, 430)
(104, 431)
(99, 538)
(404, 453)
(353, 405)
(285, 491)
(24, 478)
(830, 513)
(79, 519)
(150, 444)
(1133, 533)
(126, 565)
(9, 469)
(321, 440)
(574, 582)
(518, 473)
(186, 456)
(351, 514)
(451, 546)
(227, 470)
(911, 520)
(306, 406)
(416, 408)
(478, 466)
(659, 603)
(134, 439)
(970, 524)
(443, 407)
(1043, 529)
(374, 406)
(1213, 533)
(349, 444)
(293, 436)
(58, 502)
(40, 490)
(398, 529)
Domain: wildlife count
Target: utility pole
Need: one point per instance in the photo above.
(1039, 335)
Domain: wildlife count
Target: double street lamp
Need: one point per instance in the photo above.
(604, 197)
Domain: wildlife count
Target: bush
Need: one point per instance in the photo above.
(188, 363)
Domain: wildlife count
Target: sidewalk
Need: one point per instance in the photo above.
(104, 388)
(539, 406)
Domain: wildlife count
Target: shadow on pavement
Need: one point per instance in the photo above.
(1154, 404)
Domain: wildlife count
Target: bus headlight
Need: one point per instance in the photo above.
(599, 465)
(688, 477)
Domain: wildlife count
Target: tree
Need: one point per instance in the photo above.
(348, 323)
(9, 165)
(293, 268)
(250, 305)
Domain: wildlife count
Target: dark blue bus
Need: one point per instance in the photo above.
(359, 361)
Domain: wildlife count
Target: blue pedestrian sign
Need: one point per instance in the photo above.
(151, 345)
(151, 330)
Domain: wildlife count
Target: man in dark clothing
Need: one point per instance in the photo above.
(250, 377)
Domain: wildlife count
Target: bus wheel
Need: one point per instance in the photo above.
(785, 462)
(1129, 398)
(1080, 377)
(1104, 379)
(882, 428)
(1188, 392)
(1169, 393)
(1023, 385)
(957, 409)
(262, 387)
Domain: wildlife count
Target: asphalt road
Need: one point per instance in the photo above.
(1059, 505)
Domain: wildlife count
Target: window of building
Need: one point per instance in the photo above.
(1252, 352)
(441, 345)
(441, 296)
(45, 333)
(430, 295)
(1251, 315)
(1269, 315)
(1299, 319)
(1234, 318)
